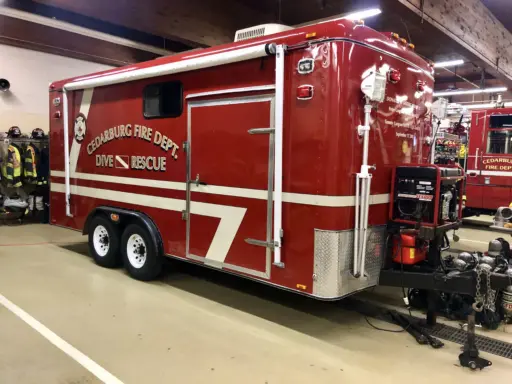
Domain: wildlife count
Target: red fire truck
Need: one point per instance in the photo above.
(489, 161)
(269, 158)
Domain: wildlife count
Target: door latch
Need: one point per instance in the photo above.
(198, 182)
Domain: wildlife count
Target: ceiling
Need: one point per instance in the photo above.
(502, 10)
(179, 25)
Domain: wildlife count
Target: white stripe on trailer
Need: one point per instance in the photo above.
(259, 194)
(230, 217)
(85, 106)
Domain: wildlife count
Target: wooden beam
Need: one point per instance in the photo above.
(472, 26)
(39, 37)
(196, 22)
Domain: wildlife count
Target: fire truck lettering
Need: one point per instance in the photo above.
(149, 132)
(105, 161)
(174, 148)
(158, 138)
(128, 130)
(150, 163)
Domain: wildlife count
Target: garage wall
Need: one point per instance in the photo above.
(30, 73)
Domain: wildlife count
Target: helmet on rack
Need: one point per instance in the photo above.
(14, 132)
(37, 133)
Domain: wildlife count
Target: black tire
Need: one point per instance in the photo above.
(112, 258)
(137, 243)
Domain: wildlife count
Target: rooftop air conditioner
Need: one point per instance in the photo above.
(260, 30)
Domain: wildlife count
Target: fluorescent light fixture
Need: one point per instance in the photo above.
(451, 63)
(471, 91)
(359, 15)
(476, 106)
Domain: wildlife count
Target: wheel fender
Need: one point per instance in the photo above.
(125, 216)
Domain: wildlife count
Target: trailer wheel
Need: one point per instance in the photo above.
(104, 242)
(141, 256)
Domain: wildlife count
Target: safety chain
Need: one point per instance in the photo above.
(488, 300)
(479, 300)
(491, 295)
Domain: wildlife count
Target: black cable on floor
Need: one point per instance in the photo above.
(383, 329)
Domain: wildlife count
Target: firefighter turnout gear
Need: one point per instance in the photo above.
(30, 164)
(13, 166)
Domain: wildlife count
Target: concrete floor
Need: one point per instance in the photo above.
(192, 326)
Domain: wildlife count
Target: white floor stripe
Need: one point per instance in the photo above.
(260, 194)
(63, 345)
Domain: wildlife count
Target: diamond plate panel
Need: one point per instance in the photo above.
(334, 261)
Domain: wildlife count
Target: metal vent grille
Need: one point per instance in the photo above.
(250, 34)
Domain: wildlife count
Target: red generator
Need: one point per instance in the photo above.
(252, 158)
(427, 201)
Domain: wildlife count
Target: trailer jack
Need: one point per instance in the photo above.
(470, 356)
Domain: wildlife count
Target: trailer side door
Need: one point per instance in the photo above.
(230, 182)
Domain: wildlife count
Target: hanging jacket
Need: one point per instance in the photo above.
(13, 167)
(3, 161)
(43, 169)
(31, 164)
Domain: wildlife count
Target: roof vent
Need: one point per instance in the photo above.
(260, 30)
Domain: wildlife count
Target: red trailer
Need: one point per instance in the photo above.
(489, 160)
(269, 158)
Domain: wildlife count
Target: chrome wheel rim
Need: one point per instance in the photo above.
(136, 251)
(101, 240)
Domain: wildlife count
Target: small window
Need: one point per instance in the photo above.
(500, 121)
(499, 141)
(163, 100)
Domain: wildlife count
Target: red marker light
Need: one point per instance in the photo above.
(305, 92)
(420, 86)
(394, 76)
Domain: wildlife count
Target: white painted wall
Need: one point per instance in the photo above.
(30, 73)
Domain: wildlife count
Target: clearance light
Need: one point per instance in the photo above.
(403, 41)
(310, 35)
(305, 92)
(471, 91)
(452, 63)
(362, 14)
(412, 46)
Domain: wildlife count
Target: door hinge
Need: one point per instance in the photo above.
(185, 146)
(184, 215)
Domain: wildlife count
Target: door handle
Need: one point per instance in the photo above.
(198, 182)
(472, 174)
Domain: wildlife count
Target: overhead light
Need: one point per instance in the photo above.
(478, 106)
(451, 63)
(359, 15)
(471, 91)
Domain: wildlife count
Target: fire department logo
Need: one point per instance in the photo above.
(80, 127)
